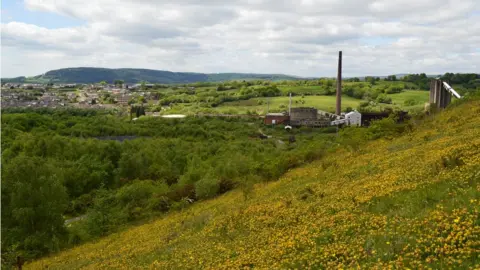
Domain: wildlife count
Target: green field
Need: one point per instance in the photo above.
(420, 96)
(277, 104)
(325, 103)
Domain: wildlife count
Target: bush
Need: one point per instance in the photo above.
(384, 99)
(352, 137)
(207, 187)
(80, 204)
(363, 104)
(394, 89)
(159, 203)
(384, 128)
(410, 102)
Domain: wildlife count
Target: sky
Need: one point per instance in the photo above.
(298, 37)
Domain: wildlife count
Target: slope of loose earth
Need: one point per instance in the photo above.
(411, 202)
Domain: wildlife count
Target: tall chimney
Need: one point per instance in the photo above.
(339, 85)
(290, 105)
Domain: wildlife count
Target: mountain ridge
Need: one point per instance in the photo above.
(137, 75)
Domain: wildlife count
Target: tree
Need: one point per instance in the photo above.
(371, 80)
(391, 78)
(384, 99)
(143, 85)
(33, 201)
(119, 83)
(103, 83)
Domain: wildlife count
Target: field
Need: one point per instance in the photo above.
(325, 103)
(252, 97)
(408, 202)
(276, 104)
(420, 96)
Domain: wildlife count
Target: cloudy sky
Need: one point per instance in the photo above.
(298, 37)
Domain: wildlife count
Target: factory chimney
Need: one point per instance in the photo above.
(339, 85)
(290, 105)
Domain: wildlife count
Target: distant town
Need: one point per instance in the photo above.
(93, 96)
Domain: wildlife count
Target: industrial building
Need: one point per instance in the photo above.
(304, 116)
(311, 117)
(276, 118)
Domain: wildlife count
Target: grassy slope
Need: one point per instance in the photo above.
(325, 103)
(407, 202)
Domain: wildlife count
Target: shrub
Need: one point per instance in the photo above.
(394, 89)
(384, 99)
(410, 102)
(207, 187)
(159, 203)
(363, 104)
(384, 128)
(352, 137)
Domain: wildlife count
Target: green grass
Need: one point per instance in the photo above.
(325, 103)
(301, 89)
(420, 96)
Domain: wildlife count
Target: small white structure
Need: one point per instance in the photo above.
(338, 122)
(354, 118)
(174, 116)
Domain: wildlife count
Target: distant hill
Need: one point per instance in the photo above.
(131, 75)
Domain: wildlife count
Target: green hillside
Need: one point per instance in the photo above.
(132, 75)
(407, 202)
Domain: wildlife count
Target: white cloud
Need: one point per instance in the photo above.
(267, 36)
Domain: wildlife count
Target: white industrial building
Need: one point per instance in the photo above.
(353, 118)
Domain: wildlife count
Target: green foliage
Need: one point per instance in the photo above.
(384, 99)
(459, 78)
(33, 201)
(419, 79)
(410, 102)
(391, 78)
(113, 172)
(97, 175)
(207, 187)
(385, 128)
(394, 89)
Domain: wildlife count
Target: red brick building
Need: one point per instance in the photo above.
(276, 118)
